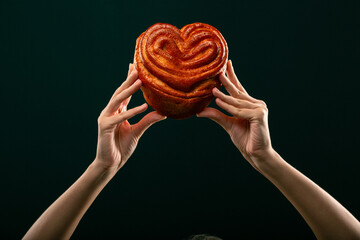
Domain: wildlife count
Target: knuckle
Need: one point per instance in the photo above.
(101, 122)
(238, 92)
(262, 103)
(118, 97)
(241, 103)
(238, 112)
(262, 112)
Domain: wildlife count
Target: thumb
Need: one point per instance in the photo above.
(217, 116)
(148, 120)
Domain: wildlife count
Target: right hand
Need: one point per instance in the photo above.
(248, 125)
(117, 139)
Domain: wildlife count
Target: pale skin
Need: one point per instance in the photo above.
(117, 140)
(248, 128)
(249, 131)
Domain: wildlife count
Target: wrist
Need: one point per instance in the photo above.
(103, 173)
(268, 162)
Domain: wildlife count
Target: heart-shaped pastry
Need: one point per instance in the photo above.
(179, 68)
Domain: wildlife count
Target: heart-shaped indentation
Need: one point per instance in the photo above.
(181, 58)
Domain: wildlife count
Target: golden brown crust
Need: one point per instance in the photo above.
(179, 68)
(173, 106)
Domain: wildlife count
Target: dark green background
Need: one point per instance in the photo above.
(62, 60)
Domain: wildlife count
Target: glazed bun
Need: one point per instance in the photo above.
(179, 68)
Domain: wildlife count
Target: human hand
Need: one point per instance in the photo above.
(248, 125)
(117, 139)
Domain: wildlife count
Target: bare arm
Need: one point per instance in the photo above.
(327, 218)
(62, 217)
(117, 140)
(248, 129)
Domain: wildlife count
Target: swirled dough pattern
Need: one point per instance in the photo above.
(179, 68)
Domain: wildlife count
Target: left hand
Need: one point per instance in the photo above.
(248, 125)
(117, 139)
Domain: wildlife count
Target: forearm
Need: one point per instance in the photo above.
(61, 218)
(327, 218)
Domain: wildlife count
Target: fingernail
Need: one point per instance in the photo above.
(131, 67)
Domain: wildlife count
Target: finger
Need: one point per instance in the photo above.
(217, 116)
(148, 120)
(232, 77)
(127, 83)
(229, 86)
(237, 102)
(121, 117)
(242, 113)
(126, 101)
(115, 102)
(131, 67)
